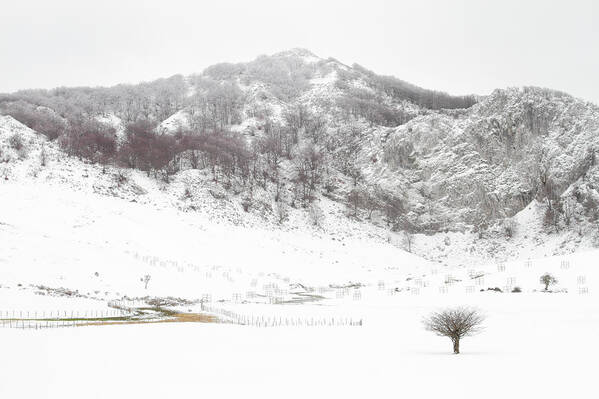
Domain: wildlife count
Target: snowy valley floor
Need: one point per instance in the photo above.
(57, 256)
(535, 345)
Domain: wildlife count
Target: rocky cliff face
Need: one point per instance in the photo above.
(492, 160)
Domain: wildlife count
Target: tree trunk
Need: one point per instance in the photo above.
(456, 345)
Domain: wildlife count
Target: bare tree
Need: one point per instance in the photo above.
(509, 227)
(146, 279)
(455, 323)
(408, 239)
(43, 156)
(372, 200)
(281, 211)
(394, 209)
(547, 279)
(308, 170)
(569, 205)
(316, 215)
(355, 200)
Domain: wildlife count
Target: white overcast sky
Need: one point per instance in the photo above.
(459, 46)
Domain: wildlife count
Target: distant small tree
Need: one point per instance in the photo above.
(281, 211)
(43, 156)
(373, 200)
(355, 200)
(455, 323)
(509, 227)
(394, 210)
(547, 280)
(408, 239)
(246, 203)
(146, 279)
(316, 215)
(308, 170)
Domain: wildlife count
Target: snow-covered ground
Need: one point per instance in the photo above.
(533, 346)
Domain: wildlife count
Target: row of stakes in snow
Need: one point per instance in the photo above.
(59, 318)
(38, 325)
(62, 314)
(274, 294)
(270, 290)
(227, 316)
(209, 272)
(121, 310)
(477, 277)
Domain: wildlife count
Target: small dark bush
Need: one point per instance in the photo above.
(16, 142)
(517, 289)
(246, 204)
(547, 280)
(120, 177)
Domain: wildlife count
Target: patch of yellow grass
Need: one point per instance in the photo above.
(175, 318)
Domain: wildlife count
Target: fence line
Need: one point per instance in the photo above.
(59, 318)
(62, 314)
(279, 321)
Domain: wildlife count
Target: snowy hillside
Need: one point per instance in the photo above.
(82, 219)
(292, 136)
(99, 230)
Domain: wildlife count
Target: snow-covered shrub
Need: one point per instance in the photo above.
(509, 227)
(408, 240)
(591, 207)
(246, 203)
(187, 193)
(547, 280)
(316, 215)
(43, 157)
(121, 177)
(281, 211)
(16, 142)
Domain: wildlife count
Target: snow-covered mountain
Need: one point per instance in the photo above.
(296, 142)
(288, 192)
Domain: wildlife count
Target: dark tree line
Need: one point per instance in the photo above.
(373, 110)
(155, 100)
(90, 140)
(401, 90)
(38, 118)
(226, 154)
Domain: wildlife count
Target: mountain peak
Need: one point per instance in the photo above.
(298, 52)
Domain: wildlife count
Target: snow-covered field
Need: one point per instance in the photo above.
(533, 346)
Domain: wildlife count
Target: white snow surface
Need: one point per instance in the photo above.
(527, 340)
